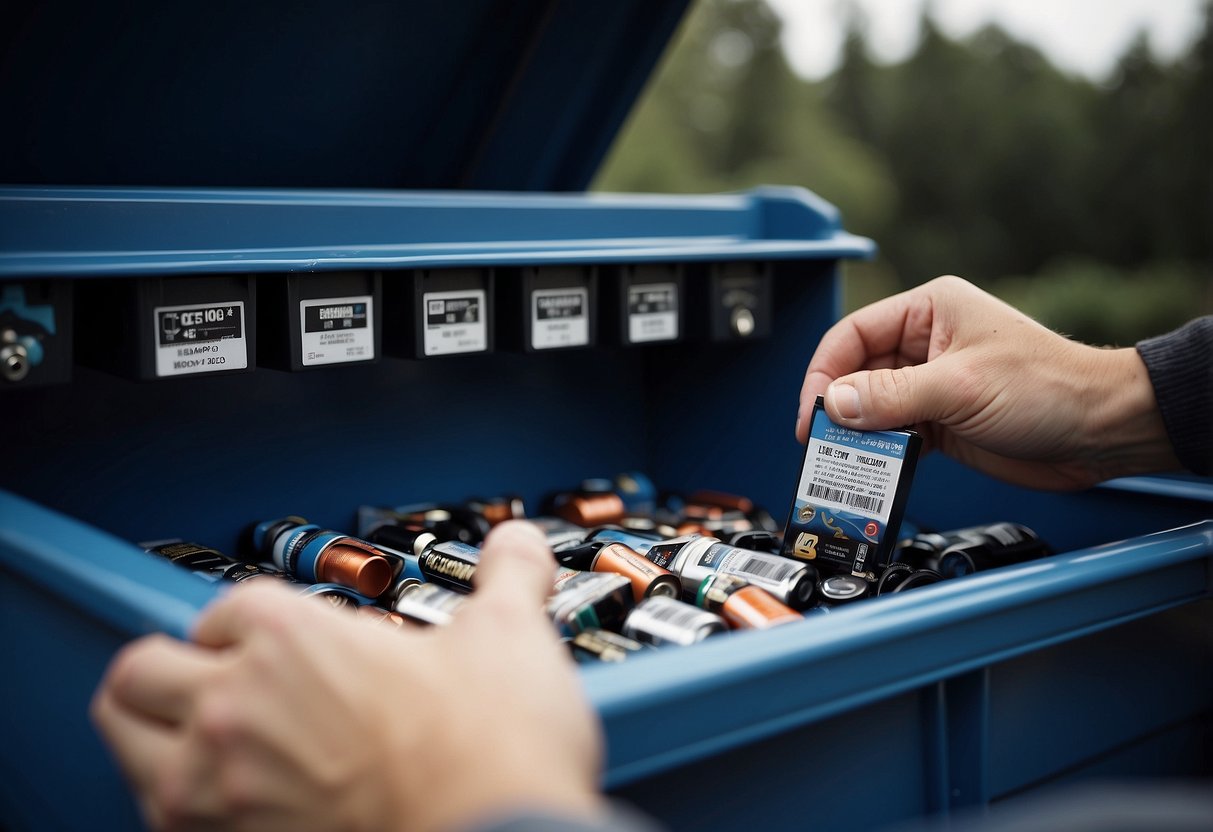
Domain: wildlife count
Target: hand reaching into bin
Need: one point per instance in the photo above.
(991, 387)
(286, 714)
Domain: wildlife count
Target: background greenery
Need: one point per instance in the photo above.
(1088, 205)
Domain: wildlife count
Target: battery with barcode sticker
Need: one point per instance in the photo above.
(850, 495)
(791, 581)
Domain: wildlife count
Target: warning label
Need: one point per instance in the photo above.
(200, 338)
(337, 330)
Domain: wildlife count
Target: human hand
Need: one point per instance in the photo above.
(989, 386)
(285, 714)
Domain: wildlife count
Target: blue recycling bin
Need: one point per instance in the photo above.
(180, 152)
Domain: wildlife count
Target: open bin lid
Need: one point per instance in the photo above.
(486, 95)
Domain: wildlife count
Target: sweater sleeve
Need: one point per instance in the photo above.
(1180, 365)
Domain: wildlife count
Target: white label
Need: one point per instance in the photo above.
(560, 318)
(847, 477)
(337, 330)
(652, 312)
(200, 338)
(454, 322)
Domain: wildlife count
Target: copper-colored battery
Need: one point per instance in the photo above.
(647, 577)
(743, 605)
(719, 498)
(591, 509)
(353, 563)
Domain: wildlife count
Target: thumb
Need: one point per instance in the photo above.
(516, 568)
(891, 398)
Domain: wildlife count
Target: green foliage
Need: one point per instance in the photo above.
(1091, 205)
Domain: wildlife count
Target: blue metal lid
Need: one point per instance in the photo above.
(487, 95)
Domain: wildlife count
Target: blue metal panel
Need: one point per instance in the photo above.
(73, 232)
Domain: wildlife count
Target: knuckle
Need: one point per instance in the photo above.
(219, 724)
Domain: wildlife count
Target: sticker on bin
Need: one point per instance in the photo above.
(851, 494)
(201, 338)
(560, 318)
(337, 330)
(455, 322)
(652, 312)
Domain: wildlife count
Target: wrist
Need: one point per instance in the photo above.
(1124, 426)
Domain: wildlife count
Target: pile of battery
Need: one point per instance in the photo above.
(634, 569)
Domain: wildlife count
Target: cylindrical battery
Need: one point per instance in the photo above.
(584, 600)
(918, 578)
(647, 577)
(428, 603)
(985, 547)
(210, 563)
(450, 563)
(319, 555)
(791, 581)
(598, 645)
(634, 540)
(659, 620)
(743, 605)
(842, 589)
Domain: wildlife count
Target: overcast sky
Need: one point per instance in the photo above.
(1081, 36)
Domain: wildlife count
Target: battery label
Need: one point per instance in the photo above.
(455, 322)
(337, 330)
(759, 568)
(848, 489)
(560, 318)
(201, 338)
(652, 312)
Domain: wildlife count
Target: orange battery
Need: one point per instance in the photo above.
(743, 605)
(647, 577)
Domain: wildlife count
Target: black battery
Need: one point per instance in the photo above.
(643, 304)
(35, 333)
(543, 308)
(438, 312)
(152, 328)
(312, 321)
(732, 303)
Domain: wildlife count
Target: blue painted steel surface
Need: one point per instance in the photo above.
(508, 94)
(86, 232)
(861, 654)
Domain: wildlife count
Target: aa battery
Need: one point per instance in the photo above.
(209, 563)
(791, 581)
(635, 540)
(588, 600)
(598, 645)
(647, 577)
(743, 605)
(985, 547)
(560, 533)
(659, 621)
(428, 603)
(451, 564)
(319, 555)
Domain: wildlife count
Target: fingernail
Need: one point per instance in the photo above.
(845, 400)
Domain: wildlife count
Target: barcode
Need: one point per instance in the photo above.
(769, 569)
(841, 495)
(674, 612)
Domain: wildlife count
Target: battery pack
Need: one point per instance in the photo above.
(153, 328)
(544, 308)
(319, 320)
(644, 304)
(850, 496)
(438, 312)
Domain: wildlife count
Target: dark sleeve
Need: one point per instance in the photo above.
(1181, 369)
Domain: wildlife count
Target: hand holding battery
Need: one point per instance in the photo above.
(286, 714)
(990, 387)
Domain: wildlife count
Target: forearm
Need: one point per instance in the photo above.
(1125, 428)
